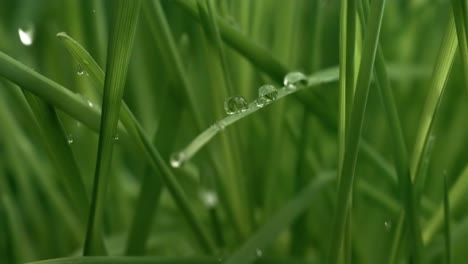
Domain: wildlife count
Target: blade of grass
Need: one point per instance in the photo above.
(459, 12)
(265, 235)
(447, 222)
(138, 135)
(122, 32)
(321, 77)
(354, 132)
(439, 78)
(255, 54)
(456, 197)
(400, 154)
(346, 57)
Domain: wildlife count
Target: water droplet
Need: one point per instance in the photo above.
(70, 139)
(259, 252)
(266, 94)
(209, 198)
(90, 104)
(116, 137)
(177, 159)
(26, 36)
(294, 79)
(235, 104)
(80, 70)
(388, 225)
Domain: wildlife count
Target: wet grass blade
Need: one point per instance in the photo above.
(122, 32)
(144, 143)
(355, 127)
(266, 234)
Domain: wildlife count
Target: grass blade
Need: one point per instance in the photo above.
(459, 13)
(354, 133)
(123, 27)
(138, 135)
(400, 151)
(456, 197)
(321, 77)
(249, 251)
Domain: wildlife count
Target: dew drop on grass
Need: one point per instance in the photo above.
(294, 79)
(90, 104)
(388, 225)
(177, 159)
(80, 70)
(235, 105)
(209, 198)
(259, 253)
(116, 137)
(266, 94)
(26, 36)
(70, 139)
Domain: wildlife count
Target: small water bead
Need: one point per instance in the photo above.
(116, 137)
(80, 70)
(294, 79)
(209, 198)
(70, 139)
(388, 225)
(26, 36)
(90, 104)
(259, 252)
(266, 94)
(177, 159)
(235, 105)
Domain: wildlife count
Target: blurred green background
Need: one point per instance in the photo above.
(253, 167)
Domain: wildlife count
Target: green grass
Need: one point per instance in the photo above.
(363, 161)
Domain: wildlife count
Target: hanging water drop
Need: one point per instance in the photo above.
(177, 159)
(70, 139)
(259, 253)
(388, 225)
(26, 36)
(209, 198)
(266, 94)
(80, 70)
(116, 137)
(235, 104)
(294, 79)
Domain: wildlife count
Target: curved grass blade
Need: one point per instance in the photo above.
(400, 154)
(258, 242)
(321, 77)
(123, 27)
(252, 52)
(424, 137)
(355, 127)
(139, 137)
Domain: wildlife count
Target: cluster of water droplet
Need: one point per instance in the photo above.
(238, 104)
(266, 94)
